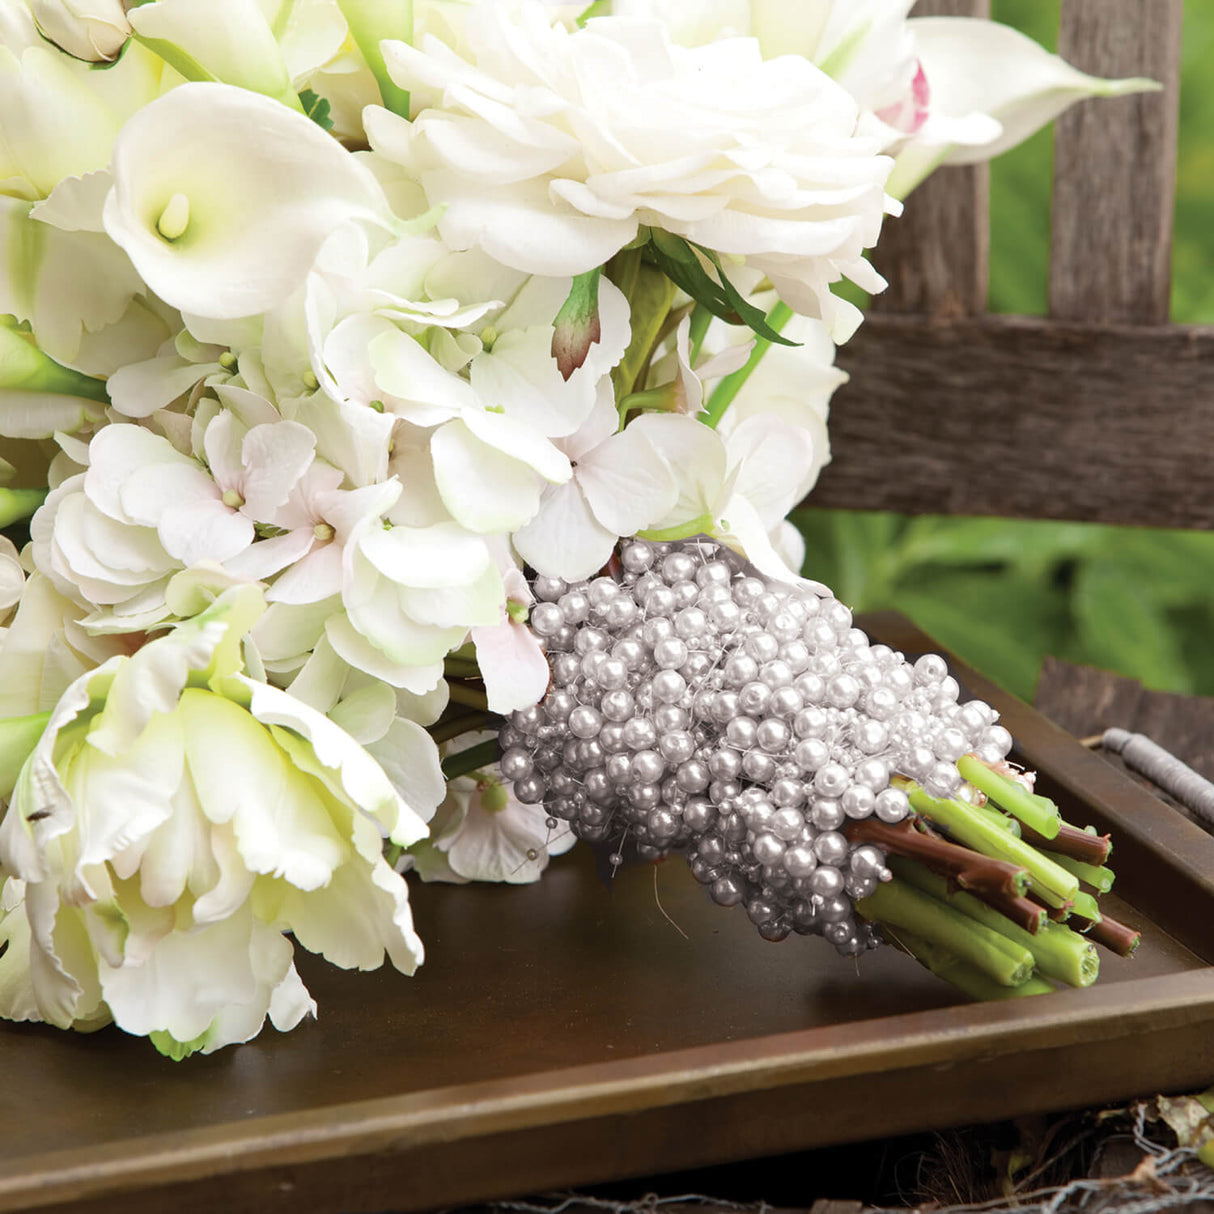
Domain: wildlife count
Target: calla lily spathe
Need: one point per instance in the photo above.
(222, 198)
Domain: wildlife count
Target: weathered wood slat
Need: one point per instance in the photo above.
(1023, 417)
(1115, 166)
(1087, 701)
(936, 254)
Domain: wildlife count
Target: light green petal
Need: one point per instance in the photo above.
(282, 823)
(362, 779)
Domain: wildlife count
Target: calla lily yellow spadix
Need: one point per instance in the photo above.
(246, 190)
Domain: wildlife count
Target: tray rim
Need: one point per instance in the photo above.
(465, 1112)
(402, 1125)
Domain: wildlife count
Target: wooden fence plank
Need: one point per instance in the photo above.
(935, 255)
(1023, 417)
(1115, 166)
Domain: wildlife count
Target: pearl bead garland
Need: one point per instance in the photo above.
(695, 707)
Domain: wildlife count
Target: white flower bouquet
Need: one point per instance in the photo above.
(342, 344)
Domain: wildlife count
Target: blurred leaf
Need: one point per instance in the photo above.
(1031, 546)
(1171, 568)
(997, 623)
(1121, 629)
(853, 552)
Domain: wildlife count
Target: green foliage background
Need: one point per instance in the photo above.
(1003, 593)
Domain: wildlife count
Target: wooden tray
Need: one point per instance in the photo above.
(563, 1033)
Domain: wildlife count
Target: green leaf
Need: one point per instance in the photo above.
(317, 108)
(170, 1047)
(677, 259)
(1032, 547)
(1165, 565)
(650, 294)
(851, 552)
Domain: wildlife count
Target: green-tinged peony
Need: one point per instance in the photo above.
(174, 821)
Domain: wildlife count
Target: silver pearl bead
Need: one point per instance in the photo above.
(892, 805)
(827, 814)
(516, 763)
(773, 735)
(831, 779)
(800, 861)
(858, 802)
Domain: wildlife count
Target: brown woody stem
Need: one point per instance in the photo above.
(1073, 842)
(971, 870)
(1115, 936)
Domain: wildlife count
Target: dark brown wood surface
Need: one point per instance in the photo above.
(935, 255)
(1023, 417)
(1115, 166)
(562, 1033)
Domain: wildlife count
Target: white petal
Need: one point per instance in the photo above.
(976, 65)
(265, 187)
(565, 539)
(353, 647)
(627, 484)
(485, 490)
(513, 665)
(409, 757)
(139, 389)
(276, 458)
(282, 826)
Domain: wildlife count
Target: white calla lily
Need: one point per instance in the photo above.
(981, 67)
(226, 40)
(222, 198)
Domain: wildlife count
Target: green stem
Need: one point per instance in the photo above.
(996, 817)
(1100, 879)
(24, 366)
(701, 318)
(968, 979)
(1038, 812)
(723, 394)
(468, 722)
(600, 8)
(1051, 882)
(1058, 952)
(370, 22)
(906, 908)
(16, 504)
(471, 696)
(1085, 906)
(460, 668)
(464, 761)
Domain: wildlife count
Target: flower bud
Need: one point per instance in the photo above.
(92, 30)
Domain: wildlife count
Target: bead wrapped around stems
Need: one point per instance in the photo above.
(695, 706)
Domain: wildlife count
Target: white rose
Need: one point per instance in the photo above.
(549, 149)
